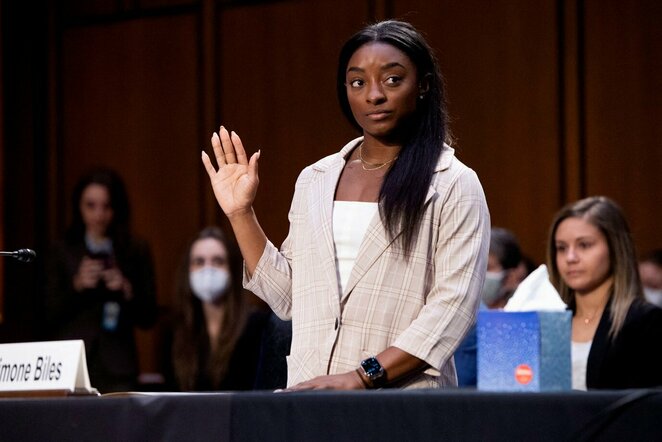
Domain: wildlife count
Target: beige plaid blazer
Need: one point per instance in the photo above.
(423, 306)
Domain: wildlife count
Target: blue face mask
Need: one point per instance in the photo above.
(492, 287)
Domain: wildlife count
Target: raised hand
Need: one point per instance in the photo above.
(235, 183)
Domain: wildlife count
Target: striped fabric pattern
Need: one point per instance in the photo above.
(423, 305)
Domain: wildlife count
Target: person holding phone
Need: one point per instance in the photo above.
(101, 282)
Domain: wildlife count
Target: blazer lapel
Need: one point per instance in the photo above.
(323, 192)
(376, 239)
(599, 348)
(373, 245)
(375, 242)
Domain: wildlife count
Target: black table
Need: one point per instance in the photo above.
(387, 415)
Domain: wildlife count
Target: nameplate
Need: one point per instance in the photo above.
(44, 366)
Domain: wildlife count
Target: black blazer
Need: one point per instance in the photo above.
(112, 358)
(633, 359)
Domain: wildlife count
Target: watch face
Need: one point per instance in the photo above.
(372, 367)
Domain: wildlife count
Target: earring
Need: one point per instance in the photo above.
(420, 97)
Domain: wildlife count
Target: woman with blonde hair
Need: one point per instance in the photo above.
(592, 264)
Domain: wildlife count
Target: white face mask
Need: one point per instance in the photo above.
(492, 287)
(209, 283)
(654, 296)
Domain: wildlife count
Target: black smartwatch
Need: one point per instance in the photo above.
(374, 371)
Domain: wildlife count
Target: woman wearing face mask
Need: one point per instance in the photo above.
(616, 334)
(503, 275)
(215, 343)
(650, 271)
(501, 280)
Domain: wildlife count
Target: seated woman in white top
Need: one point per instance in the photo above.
(616, 334)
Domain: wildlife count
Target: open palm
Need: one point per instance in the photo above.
(235, 183)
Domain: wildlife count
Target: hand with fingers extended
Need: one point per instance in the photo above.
(236, 180)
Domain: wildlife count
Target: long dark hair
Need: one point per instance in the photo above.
(403, 192)
(606, 216)
(119, 228)
(190, 334)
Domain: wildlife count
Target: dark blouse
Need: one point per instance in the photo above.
(93, 314)
(257, 362)
(243, 363)
(633, 359)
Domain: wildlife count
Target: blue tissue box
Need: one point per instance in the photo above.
(524, 351)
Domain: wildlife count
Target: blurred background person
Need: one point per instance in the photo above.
(650, 271)
(216, 335)
(506, 268)
(592, 264)
(100, 282)
(274, 349)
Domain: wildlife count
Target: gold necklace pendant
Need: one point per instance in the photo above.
(587, 319)
(373, 166)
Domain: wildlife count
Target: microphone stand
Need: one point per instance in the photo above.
(23, 255)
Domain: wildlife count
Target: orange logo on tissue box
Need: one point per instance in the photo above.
(523, 374)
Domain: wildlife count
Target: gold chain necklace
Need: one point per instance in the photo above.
(587, 319)
(373, 166)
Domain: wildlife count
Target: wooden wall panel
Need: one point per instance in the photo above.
(623, 59)
(130, 101)
(550, 101)
(83, 8)
(147, 4)
(25, 147)
(571, 85)
(2, 177)
(277, 91)
(85, 11)
(499, 60)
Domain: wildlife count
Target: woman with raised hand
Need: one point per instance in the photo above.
(385, 258)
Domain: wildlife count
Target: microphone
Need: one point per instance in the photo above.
(23, 255)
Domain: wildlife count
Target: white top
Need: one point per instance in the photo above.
(350, 222)
(579, 356)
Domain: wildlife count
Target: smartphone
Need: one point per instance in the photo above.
(105, 258)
